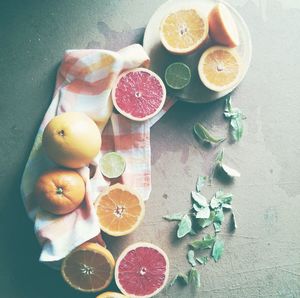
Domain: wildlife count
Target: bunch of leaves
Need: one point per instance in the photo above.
(236, 118)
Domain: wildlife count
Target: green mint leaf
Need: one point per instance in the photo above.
(173, 281)
(174, 217)
(203, 134)
(225, 198)
(219, 157)
(200, 183)
(203, 213)
(199, 199)
(230, 172)
(202, 260)
(215, 201)
(184, 226)
(191, 257)
(217, 227)
(205, 222)
(218, 219)
(192, 232)
(233, 221)
(206, 242)
(182, 278)
(228, 107)
(194, 278)
(217, 250)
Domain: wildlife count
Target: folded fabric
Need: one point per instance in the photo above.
(84, 83)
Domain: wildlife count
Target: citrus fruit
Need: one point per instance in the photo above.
(219, 68)
(60, 191)
(139, 94)
(72, 139)
(177, 75)
(222, 27)
(184, 31)
(111, 295)
(88, 268)
(120, 210)
(142, 270)
(112, 165)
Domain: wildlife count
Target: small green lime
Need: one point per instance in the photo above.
(177, 75)
(112, 165)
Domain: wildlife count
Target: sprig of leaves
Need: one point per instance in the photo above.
(236, 118)
(205, 136)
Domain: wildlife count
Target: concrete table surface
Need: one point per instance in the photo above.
(262, 257)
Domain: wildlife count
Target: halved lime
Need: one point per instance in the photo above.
(112, 165)
(177, 75)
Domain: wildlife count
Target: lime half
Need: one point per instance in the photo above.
(112, 165)
(177, 75)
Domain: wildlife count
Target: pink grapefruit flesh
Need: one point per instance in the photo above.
(142, 270)
(139, 94)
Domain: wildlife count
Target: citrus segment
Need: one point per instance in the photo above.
(139, 94)
(111, 295)
(120, 210)
(219, 68)
(177, 75)
(222, 27)
(142, 270)
(59, 191)
(112, 165)
(88, 268)
(184, 31)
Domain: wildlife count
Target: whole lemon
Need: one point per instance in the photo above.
(72, 139)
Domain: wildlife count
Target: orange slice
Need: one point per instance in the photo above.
(184, 31)
(219, 68)
(120, 210)
(222, 27)
(111, 295)
(88, 268)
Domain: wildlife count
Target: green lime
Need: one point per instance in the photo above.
(112, 165)
(177, 75)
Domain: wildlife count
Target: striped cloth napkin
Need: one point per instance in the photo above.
(84, 83)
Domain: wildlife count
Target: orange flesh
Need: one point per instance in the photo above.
(183, 29)
(119, 210)
(220, 68)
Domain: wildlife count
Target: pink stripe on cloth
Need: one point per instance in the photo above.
(84, 82)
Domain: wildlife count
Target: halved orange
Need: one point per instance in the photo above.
(88, 268)
(111, 295)
(120, 210)
(219, 68)
(184, 31)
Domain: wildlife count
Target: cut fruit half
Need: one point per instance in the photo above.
(177, 75)
(222, 27)
(88, 268)
(142, 270)
(120, 210)
(111, 295)
(184, 31)
(219, 68)
(139, 94)
(112, 165)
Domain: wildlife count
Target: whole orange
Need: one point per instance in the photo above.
(60, 191)
(72, 139)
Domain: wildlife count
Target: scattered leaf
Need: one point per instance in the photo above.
(204, 135)
(191, 257)
(205, 222)
(206, 242)
(184, 226)
(179, 277)
(200, 183)
(172, 282)
(174, 217)
(199, 199)
(217, 250)
(202, 260)
(230, 172)
(233, 220)
(215, 202)
(218, 219)
(194, 278)
(203, 213)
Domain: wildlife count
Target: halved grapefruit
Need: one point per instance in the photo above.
(142, 270)
(139, 94)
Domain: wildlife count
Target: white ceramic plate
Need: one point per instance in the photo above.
(160, 58)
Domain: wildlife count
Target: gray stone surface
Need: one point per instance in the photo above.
(262, 257)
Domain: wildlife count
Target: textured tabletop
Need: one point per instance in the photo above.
(262, 257)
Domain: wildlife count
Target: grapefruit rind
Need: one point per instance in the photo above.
(140, 218)
(111, 295)
(128, 115)
(206, 82)
(94, 247)
(125, 252)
